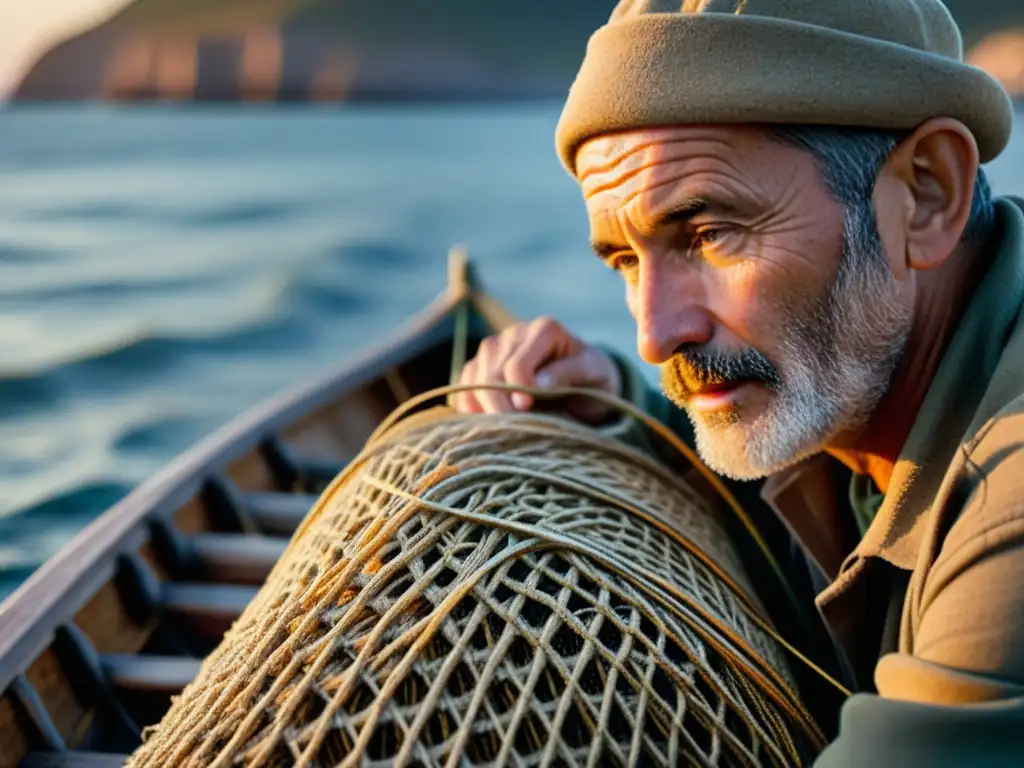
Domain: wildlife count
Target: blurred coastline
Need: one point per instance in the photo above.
(333, 51)
(1001, 54)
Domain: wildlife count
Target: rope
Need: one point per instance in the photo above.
(512, 589)
(655, 426)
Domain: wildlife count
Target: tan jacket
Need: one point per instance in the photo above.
(931, 599)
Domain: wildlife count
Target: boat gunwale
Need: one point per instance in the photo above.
(68, 579)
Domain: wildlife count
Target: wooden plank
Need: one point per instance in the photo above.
(161, 674)
(15, 740)
(191, 517)
(73, 760)
(252, 472)
(317, 437)
(148, 554)
(105, 621)
(51, 682)
(235, 557)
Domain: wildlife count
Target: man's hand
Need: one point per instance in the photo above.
(541, 354)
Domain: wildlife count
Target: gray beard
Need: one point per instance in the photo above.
(834, 366)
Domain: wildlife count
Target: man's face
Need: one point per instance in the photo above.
(770, 308)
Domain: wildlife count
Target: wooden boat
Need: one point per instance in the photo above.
(96, 642)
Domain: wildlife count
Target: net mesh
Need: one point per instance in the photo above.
(496, 590)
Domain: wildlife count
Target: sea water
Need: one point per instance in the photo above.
(162, 269)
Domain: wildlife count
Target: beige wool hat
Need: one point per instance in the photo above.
(889, 64)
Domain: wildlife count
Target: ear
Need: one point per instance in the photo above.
(931, 173)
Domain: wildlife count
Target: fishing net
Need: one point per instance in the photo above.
(510, 589)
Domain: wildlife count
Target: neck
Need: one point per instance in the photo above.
(943, 294)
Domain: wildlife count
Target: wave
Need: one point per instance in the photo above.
(9, 255)
(33, 533)
(156, 434)
(130, 354)
(80, 503)
(377, 255)
(113, 212)
(93, 289)
(294, 314)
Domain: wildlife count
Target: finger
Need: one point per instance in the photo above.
(466, 402)
(489, 372)
(590, 368)
(544, 340)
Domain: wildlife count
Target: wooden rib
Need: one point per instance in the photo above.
(162, 674)
(235, 558)
(278, 513)
(16, 736)
(397, 384)
(50, 680)
(32, 705)
(317, 470)
(207, 609)
(290, 467)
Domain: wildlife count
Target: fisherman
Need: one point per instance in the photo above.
(791, 192)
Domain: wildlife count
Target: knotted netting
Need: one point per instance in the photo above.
(510, 589)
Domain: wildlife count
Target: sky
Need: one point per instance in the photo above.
(28, 28)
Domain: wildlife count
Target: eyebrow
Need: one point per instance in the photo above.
(677, 214)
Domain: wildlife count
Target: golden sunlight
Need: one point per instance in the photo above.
(28, 28)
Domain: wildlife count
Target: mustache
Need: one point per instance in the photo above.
(694, 370)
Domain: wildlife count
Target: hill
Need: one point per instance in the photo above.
(334, 50)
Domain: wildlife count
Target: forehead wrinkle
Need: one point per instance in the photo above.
(703, 180)
(652, 152)
(613, 148)
(626, 202)
(599, 187)
(642, 181)
(609, 166)
(676, 169)
(648, 214)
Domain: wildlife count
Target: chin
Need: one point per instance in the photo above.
(750, 451)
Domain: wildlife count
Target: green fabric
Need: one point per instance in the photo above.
(865, 499)
(882, 733)
(890, 64)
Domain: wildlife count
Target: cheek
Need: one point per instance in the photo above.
(789, 277)
(757, 302)
(740, 298)
(745, 303)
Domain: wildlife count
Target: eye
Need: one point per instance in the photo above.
(623, 262)
(706, 236)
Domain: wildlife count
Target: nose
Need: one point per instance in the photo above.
(667, 303)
